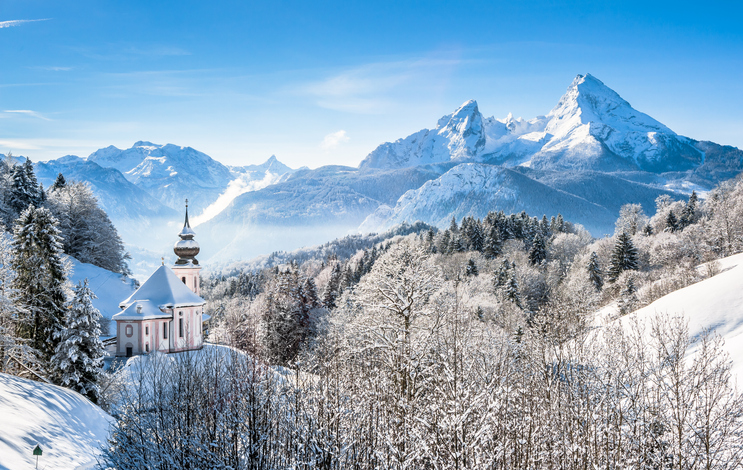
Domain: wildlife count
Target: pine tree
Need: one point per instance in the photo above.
(671, 222)
(59, 183)
(471, 268)
(594, 272)
(688, 214)
(456, 245)
(492, 245)
(40, 278)
(502, 274)
(512, 290)
(24, 189)
(78, 358)
(538, 251)
(331, 290)
(623, 258)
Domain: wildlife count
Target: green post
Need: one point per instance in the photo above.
(37, 453)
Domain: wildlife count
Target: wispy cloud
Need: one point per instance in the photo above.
(128, 51)
(375, 88)
(8, 24)
(334, 139)
(27, 112)
(52, 68)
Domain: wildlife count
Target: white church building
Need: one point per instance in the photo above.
(166, 313)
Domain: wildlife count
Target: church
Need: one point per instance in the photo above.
(166, 313)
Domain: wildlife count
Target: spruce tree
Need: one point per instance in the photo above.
(40, 277)
(538, 251)
(59, 183)
(512, 290)
(623, 258)
(671, 222)
(24, 189)
(471, 268)
(594, 272)
(331, 290)
(78, 359)
(492, 245)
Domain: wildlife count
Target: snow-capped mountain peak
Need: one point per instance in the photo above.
(591, 128)
(587, 100)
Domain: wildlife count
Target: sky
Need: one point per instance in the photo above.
(319, 83)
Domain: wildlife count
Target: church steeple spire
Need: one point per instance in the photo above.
(186, 248)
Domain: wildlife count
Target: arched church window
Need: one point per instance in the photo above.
(129, 330)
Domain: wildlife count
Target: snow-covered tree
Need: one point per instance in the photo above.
(78, 359)
(624, 257)
(538, 251)
(471, 268)
(39, 278)
(23, 190)
(88, 233)
(594, 272)
(632, 220)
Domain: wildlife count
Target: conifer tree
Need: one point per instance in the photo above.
(24, 189)
(78, 358)
(331, 290)
(492, 245)
(59, 183)
(40, 278)
(502, 274)
(512, 290)
(538, 251)
(671, 222)
(594, 272)
(471, 268)
(623, 258)
(688, 214)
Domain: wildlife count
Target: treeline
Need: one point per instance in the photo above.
(476, 346)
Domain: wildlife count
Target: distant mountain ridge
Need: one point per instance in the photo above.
(589, 155)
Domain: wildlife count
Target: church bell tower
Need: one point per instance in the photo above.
(187, 266)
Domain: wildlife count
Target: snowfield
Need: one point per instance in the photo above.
(68, 427)
(715, 304)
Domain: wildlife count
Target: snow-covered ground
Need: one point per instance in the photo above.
(68, 427)
(110, 288)
(715, 303)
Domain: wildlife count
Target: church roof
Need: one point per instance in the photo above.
(141, 310)
(164, 290)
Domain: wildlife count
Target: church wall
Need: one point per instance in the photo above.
(133, 340)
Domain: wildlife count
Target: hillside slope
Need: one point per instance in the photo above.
(68, 427)
(715, 304)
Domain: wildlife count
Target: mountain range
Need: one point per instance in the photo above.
(590, 154)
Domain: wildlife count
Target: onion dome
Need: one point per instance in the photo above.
(186, 248)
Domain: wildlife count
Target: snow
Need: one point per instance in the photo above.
(68, 427)
(589, 119)
(110, 288)
(164, 289)
(715, 303)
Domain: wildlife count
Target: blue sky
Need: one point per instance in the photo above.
(326, 82)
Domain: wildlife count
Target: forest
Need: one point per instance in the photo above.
(477, 346)
(488, 344)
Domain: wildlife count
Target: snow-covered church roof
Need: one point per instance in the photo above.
(141, 310)
(164, 290)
